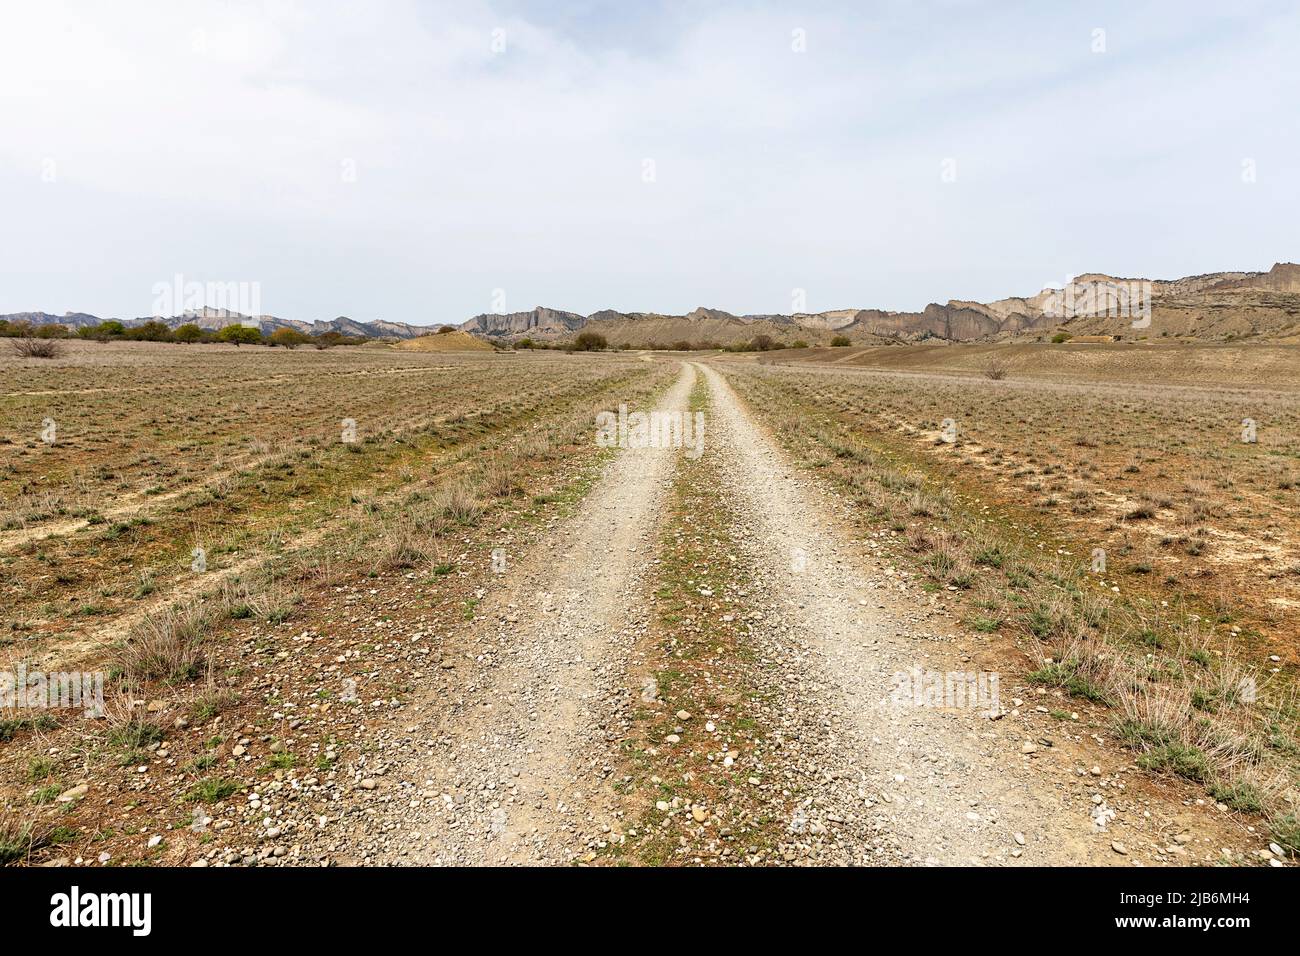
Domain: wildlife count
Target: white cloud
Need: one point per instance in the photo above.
(212, 138)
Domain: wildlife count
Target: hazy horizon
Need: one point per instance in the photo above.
(425, 163)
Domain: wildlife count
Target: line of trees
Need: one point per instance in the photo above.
(188, 334)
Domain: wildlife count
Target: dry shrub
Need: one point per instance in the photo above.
(921, 505)
(996, 369)
(130, 728)
(920, 538)
(1082, 666)
(324, 569)
(537, 447)
(261, 599)
(30, 347)
(167, 645)
(500, 479)
(402, 543)
(1153, 714)
(950, 562)
(21, 834)
(456, 500)
(212, 701)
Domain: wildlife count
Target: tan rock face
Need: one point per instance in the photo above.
(1283, 277)
(540, 320)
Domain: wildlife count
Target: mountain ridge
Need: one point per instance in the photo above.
(1097, 302)
(214, 319)
(1195, 305)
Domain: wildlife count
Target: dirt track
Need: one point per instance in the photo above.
(518, 769)
(507, 762)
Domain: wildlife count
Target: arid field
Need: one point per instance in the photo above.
(380, 605)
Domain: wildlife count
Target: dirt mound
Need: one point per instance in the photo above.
(445, 342)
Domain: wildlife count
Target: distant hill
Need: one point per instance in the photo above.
(1216, 306)
(219, 318)
(454, 341)
(1212, 307)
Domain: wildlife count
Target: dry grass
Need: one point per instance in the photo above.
(402, 542)
(457, 502)
(1174, 634)
(162, 447)
(21, 834)
(168, 645)
(247, 461)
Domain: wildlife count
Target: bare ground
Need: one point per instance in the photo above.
(498, 775)
(954, 784)
(519, 767)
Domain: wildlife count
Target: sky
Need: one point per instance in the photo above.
(426, 162)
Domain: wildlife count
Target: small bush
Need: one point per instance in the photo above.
(840, 341)
(289, 338)
(212, 702)
(996, 369)
(12, 726)
(402, 545)
(1239, 795)
(167, 645)
(1177, 758)
(20, 836)
(36, 348)
(135, 734)
(211, 790)
(457, 502)
(1069, 677)
(1286, 831)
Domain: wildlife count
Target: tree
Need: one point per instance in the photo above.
(761, 343)
(589, 342)
(327, 340)
(188, 333)
(840, 341)
(524, 343)
(108, 329)
(289, 338)
(151, 331)
(240, 335)
(798, 344)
